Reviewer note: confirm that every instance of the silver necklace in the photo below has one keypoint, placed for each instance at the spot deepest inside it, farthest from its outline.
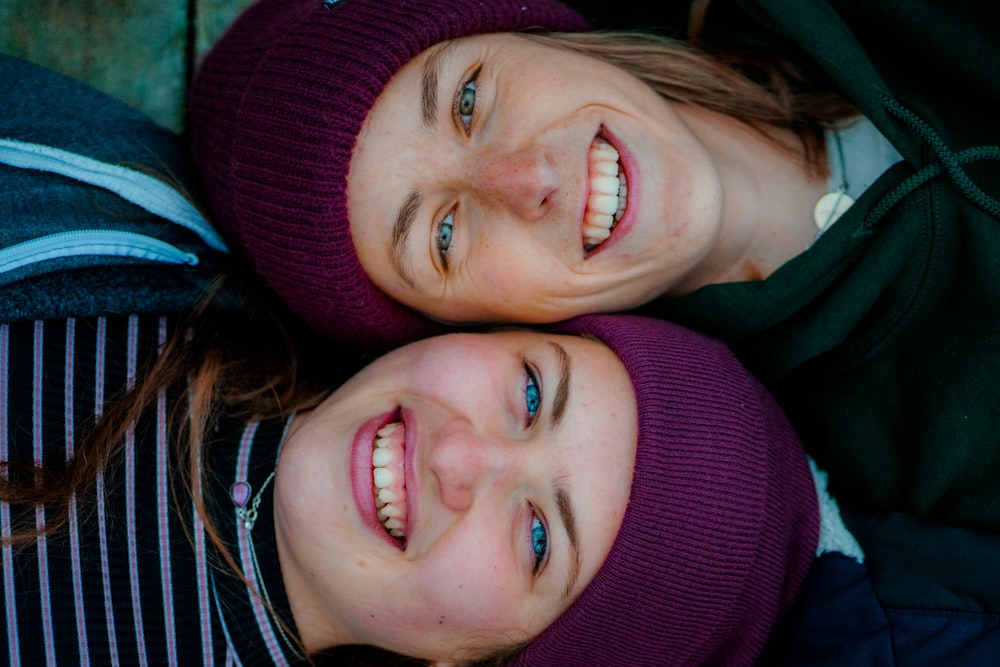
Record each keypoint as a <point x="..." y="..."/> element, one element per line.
<point x="246" y="510"/>
<point x="246" y="513"/>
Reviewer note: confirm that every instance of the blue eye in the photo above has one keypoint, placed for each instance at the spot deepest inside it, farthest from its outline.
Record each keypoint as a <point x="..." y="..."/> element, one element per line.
<point x="532" y="395"/>
<point x="443" y="235"/>
<point x="539" y="542"/>
<point x="465" y="101"/>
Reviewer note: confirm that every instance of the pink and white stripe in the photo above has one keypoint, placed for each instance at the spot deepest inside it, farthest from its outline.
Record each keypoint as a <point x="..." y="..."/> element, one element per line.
<point x="247" y="558"/>
<point x="44" y="587"/>
<point x="10" y="604"/>
<point x="102" y="528"/>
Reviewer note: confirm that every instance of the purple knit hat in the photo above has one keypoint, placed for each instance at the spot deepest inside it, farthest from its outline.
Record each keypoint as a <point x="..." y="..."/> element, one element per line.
<point x="722" y="522"/>
<point x="275" y="110"/>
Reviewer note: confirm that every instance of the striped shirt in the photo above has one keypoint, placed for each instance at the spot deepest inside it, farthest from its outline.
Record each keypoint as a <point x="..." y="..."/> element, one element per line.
<point x="132" y="578"/>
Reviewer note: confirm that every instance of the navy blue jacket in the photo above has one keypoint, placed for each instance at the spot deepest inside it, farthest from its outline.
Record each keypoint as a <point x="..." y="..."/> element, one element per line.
<point x="928" y="595"/>
<point x="94" y="213"/>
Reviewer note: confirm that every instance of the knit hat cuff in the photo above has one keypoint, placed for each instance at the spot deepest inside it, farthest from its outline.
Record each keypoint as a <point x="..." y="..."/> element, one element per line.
<point x="276" y="109"/>
<point x="722" y="521"/>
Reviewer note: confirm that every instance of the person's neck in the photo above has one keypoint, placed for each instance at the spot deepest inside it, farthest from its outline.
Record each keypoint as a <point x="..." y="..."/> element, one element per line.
<point x="769" y="193"/>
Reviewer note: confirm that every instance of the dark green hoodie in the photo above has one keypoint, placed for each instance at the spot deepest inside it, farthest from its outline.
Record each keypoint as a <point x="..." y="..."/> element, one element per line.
<point x="882" y="340"/>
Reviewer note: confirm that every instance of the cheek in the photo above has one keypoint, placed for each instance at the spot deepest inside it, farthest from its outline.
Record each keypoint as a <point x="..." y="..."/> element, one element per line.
<point x="513" y="268"/>
<point x="313" y="519"/>
<point x="473" y="588"/>
<point x="433" y="373"/>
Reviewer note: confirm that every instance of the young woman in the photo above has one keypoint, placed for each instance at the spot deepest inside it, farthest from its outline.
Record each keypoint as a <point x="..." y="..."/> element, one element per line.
<point x="170" y="495"/>
<point x="826" y="207"/>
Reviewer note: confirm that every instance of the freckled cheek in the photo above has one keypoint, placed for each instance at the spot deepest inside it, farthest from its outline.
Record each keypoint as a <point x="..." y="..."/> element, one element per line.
<point x="435" y="377"/>
<point x="514" y="270"/>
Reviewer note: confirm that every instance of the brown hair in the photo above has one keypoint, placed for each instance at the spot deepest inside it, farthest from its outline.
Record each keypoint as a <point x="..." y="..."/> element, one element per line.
<point x="221" y="364"/>
<point x="763" y="91"/>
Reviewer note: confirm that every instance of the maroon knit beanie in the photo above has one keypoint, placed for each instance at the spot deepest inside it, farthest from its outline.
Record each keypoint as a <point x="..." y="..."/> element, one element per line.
<point x="722" y="522"/>
<point x="275" y="110"/>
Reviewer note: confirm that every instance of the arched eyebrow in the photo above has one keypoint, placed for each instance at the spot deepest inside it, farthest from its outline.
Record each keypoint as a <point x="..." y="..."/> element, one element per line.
<point x="561" y="489"/>
<point x="430" y="79"/>
<point x="399" y="255"/>
<point x="430" y="82"/>
<point x="561" y="397"/>
<point x="569" y="523"/>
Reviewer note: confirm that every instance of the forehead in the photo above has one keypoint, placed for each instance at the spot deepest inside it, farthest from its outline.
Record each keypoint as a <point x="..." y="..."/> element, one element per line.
<point x="401" y="93"/>
<point x="599" y="447"/>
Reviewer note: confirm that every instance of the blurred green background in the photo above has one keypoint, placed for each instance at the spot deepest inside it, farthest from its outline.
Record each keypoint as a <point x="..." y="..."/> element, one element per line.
<point x="141" y="51"/>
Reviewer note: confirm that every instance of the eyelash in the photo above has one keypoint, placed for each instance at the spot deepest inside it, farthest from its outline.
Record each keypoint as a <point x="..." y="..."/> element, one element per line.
<point x="467" y="85"/>
<point x="442" y="246"/>
<point x="532" y="399"/>
<point x="543" y="540"/>
<point x="447" y="224"/>
<point x="539" y="531"/>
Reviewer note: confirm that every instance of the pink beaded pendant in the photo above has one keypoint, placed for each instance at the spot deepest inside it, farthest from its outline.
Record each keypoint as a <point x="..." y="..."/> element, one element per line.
<point x="240" y="493"/>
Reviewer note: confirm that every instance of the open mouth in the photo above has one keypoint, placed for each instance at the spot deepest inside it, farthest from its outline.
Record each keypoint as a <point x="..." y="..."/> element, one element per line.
<point x="389" y="480"/>
<point x="608" y="194"/>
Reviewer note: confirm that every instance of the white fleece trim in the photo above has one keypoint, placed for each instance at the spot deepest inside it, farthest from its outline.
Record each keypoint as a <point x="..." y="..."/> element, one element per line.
<point x="834" y="537"/>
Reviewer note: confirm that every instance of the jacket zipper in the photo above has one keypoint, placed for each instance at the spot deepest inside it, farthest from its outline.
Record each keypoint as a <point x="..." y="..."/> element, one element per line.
<point x="109" y="243"/>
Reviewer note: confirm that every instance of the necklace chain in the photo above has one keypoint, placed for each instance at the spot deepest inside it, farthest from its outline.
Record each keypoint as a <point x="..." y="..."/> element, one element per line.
<point x="240" y="490"/>
<point x="246" y="513"/>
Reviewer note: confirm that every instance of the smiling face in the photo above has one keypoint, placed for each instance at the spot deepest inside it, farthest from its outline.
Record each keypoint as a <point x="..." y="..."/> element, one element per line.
<point x="501" y="179"/>
<point x="457" y="494"/>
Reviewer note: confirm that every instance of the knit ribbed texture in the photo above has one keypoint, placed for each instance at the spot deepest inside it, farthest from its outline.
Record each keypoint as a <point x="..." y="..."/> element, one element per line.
<point x="722" y="522"/>
<point x="275" y="110"/>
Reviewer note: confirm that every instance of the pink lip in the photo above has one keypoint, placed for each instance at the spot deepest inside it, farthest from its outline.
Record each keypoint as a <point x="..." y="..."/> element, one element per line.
<point x="632" y="177"/>
<point x="361" y="471"/>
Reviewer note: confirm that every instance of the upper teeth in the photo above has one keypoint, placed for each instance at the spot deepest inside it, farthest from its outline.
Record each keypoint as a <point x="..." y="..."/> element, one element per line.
<point x="389" y="487"/>
<point x="608" y="193"/>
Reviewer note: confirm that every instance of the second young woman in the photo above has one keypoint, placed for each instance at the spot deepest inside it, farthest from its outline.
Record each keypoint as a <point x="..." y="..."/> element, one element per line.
<point x="467" y="497"/>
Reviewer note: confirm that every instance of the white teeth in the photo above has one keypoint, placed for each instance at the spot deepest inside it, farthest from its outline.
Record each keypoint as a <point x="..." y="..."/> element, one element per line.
<point x="596" y="235"/>
<point x="388" y="430"/>
<point x="606" y="204"/>
<point x="382" y="456"/>
<point x="390" y="496"/>
<point x="384" y="477"/>
<point x="390" y="512"/>
<point x="608" y="193"/>
<point x="603" y="150"/>
<point x="603" y="167"/>
<point x="605" y="185"/>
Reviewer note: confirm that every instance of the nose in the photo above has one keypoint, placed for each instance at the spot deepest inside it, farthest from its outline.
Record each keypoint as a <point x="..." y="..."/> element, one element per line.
<point x="465" y="461"/>
<point x="521" y="179"/>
